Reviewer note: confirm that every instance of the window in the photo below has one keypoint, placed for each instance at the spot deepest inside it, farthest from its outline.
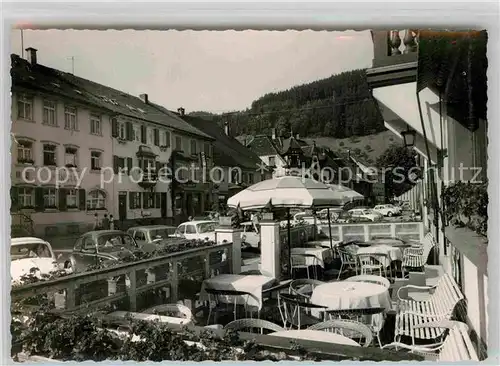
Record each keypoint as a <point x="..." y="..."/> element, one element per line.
<point x="148" y="165"/>
<point x="95" y="125"/>
<point x="178" y="143"/>
<point x="190" y="229"/>
<point x="139" y="236"/>
<point x="272" y="161"/>
<point x="137" y="133"/>
<point x="49" y="198"/>
<point x="122" y="165"/>
<point x="122" y="133"/>
<point x="250" y="178"/>
<point x="151" y="137"/>
<point x="71" y="198"/>
<point x="193" y="147"/>
<point x="26" y="197"/>
<point x="70" y="122"/>
<point x="135" y="200"/>
<point x="95" y="160"/>
<point x="96" y="199"/>
<point x="165" y="140"/>
<point x="49" y="113"/>
<point x="25" y="152"/>
<point x="206" y="149"/>
<point x="70" y="156"/>
<point x="25" y="107"/>
<point x="49" y="154"/>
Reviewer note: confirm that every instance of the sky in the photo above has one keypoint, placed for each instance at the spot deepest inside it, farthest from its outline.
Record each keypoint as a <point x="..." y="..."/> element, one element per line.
<point x="214" y="71"/>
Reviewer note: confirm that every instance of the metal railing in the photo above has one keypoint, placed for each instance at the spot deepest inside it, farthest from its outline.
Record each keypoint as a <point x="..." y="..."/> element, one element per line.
<point x="366" y="231"/>
<point x="133" y="286"/>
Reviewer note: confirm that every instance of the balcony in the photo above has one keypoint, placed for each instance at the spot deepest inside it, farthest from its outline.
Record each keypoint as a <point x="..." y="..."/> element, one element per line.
<point x="395" y="58"/>
<point x="148" y="179"/>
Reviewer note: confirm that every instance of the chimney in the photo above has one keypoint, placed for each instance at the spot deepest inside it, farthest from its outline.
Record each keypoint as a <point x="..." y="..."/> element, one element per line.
<point x="181" y="111"/>
<point x="144" y="98"/>
<point x="273" y="131"/>
<point x="31" y="55"/>
<point x="226" y="127"/>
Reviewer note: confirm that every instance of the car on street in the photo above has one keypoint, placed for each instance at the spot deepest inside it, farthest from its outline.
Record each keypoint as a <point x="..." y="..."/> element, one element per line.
<point x="27" y="253"/>
<point x="365" y="213"/>
<point x="196" y="230"/>
<point x="100" y="247"/>
<point x="388" y="210"/>
<point x="157" y="234"/>
<point x="335" y="213"/>
<point x="249" y="237"/>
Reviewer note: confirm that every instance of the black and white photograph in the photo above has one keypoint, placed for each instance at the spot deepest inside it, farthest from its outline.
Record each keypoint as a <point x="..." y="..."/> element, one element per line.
<point x="249" y="195"/>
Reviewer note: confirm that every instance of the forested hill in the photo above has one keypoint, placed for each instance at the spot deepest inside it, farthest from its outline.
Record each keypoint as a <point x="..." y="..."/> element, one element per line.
<point x="339" y="106"/>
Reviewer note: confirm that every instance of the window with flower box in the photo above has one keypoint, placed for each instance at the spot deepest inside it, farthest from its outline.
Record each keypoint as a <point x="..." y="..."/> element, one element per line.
<point x="49" y="198"/>
<point x="25" y="152"/>
<point x="25" y="107"/>
<point x="49" y="113"/>
<point x="70" y="120"/>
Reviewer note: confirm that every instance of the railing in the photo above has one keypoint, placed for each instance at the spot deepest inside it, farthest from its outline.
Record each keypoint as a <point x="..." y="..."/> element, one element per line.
<point x="394" y="47"/>
<point x="21" y="225"/>
<point x="403" y="230"/>
<point x="298" y="235"/>
<point x="134" y="286"/>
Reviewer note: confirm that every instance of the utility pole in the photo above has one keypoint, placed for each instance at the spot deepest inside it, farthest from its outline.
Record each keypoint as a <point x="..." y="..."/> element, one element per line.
<point x="22" y="44"/>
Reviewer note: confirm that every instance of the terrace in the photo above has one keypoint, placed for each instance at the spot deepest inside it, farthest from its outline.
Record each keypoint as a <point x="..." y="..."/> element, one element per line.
<point x="211" y="286"/>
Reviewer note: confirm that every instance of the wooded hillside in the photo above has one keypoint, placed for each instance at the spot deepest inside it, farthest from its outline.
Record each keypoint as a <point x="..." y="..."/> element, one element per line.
<point x="339" y="106"/>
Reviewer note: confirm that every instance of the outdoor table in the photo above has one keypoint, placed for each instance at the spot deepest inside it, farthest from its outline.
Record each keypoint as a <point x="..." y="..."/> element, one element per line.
<point x="251" y="284"/>
<point x="323" y="243"/>
<point x="351" y="295"/>
<point x="388" y="241"/>
<point x="393" y="253"/>
<point x="316" y="335"/>
<point x="323" y="255"/>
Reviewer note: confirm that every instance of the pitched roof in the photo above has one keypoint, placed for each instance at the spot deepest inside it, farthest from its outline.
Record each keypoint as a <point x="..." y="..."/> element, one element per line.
<point x="263" y="145"/>
<point x="293" y="144"/>
<point x="46" y="79"/>
<point x="227" y="150"/>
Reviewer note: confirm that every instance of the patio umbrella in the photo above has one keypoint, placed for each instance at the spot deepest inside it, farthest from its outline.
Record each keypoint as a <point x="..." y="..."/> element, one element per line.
<point x="286" y="192"/>
<point x="346" y="194"/>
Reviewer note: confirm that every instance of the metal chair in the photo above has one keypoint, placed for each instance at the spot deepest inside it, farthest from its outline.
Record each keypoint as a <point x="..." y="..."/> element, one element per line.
<point x="379" y="280"/>
<point x="222" y="303"/>
<point x="348" y="261"/>
<point x="299" y="261"/>
<point x="297" y="312"/>
<point x="249" y="324"/>
<point x="370" y="263"/>
<point x="347" y="328"/>
<point x="304" y="287"/>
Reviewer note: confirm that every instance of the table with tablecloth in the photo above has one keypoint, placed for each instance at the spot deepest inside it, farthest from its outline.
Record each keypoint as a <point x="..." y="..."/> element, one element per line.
<point x="316" y="335"/>
<point x="251" y="284"/>
<point x="321" y="255"/>
<point x="393" y="253"/>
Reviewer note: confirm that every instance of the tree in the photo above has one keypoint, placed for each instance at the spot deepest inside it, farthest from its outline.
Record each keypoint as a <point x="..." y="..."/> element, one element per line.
<point x="399" y="168"/>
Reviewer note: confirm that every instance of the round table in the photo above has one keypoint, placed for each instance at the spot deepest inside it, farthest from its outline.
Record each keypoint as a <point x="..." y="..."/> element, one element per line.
<point x="316" y="335"/>
<point x="351" y="295"/>
<point x="393" y="253"/>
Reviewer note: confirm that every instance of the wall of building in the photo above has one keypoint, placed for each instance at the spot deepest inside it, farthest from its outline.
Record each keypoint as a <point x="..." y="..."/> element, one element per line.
<point x="278" y="162"/>
<point x="38" y="133"/>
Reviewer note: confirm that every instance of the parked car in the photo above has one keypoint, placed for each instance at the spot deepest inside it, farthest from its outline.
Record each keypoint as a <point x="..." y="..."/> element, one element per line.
<point x="388" y="210"/>
<point x="365" y="213"/>
<point x="196" y="230"/>
<point x="153" y="234"/>
<point x="335" y="213"/>
<point x="249" y="237"/>
<point x="103" y="246"/>
<point x="27" y="253"/>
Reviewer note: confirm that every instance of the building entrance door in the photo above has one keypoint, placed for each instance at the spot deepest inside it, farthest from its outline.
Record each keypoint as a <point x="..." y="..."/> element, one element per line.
<point x="163" y="204"/>
<point x="122" y="206"/>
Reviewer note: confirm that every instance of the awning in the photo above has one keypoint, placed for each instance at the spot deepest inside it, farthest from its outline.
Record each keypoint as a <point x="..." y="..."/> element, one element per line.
<point x="145" y="151"/>
<point x="454" y="64"/>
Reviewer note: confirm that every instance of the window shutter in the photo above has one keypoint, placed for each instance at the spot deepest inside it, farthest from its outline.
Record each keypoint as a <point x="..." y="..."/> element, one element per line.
<point x="143" y="134"/>
<point x="114" y="127"/>
<point x="158" y="167"/>
<point x="156" y="137"/>
<point x="158" y="199"/>
<point x="115" y="164"/>
<point x="129" y="165"/>
<point x="131" y="200"/>
<point x="145" y="204"/>
<point x="14" y="198"/>
<point x="62" y="199"/>
<point x="82" y="199"/>
<point x="39" y="203"/>
<point x="129" y="132"/>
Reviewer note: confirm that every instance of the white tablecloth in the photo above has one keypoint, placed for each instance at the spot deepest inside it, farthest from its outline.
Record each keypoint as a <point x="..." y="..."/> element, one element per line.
<point x="393" y="253"/>
<point x="322" y="255"/>
<point x="351" y="295"/>
<point x="252" y="284"/>
<point x="316" y="335"/>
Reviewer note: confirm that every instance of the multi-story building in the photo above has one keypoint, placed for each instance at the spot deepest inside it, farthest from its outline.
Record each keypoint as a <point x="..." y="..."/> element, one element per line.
<point x="431" y="88"/>
<point x="60" y="142"/>
<point x="117" y="148"/>
<point x="269" y="151"/>
<point x="235" y="167"/>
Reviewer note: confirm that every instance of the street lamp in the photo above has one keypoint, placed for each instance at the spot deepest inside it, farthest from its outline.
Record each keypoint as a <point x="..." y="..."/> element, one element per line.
<point x="409" y="137"/>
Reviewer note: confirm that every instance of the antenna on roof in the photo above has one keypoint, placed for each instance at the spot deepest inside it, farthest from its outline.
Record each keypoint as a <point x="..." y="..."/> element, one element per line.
<point x="22" y="44"/>
<point x="72" y="58"/>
